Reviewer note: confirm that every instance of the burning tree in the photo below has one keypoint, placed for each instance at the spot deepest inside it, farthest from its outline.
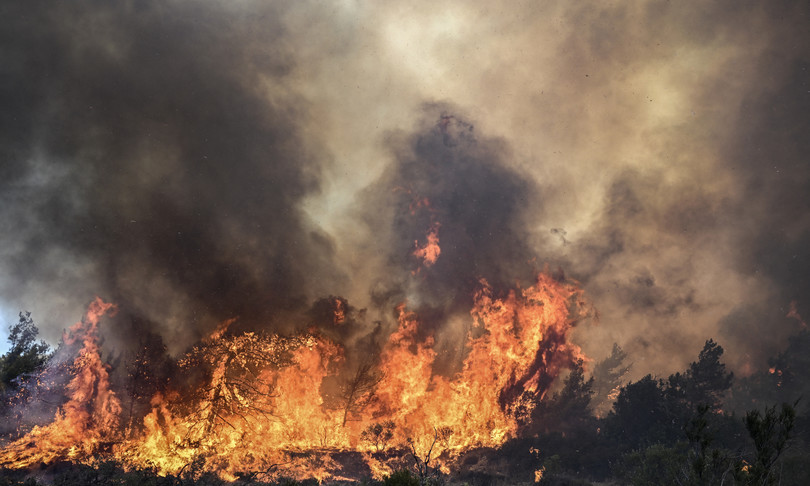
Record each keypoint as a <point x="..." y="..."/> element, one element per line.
<point x="379" y="434"/>
<point x="148" y="372"/>
<point x="238" y="380"/>
<point x="252" y="402"/>
<point x="607" y="375"/>
<point x="423" y="452"/>
<point x="90" y="416"/>
<point x="358" y="391"/>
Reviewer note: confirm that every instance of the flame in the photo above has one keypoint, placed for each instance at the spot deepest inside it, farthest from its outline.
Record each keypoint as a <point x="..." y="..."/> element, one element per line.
<point x="538" y="474"/>
<point x="430" y="252"/>
<point x="261" y="406"/>
<point x="89" y="417"/>
<point x="794" y="314"/>
<point x="339" y="311"/>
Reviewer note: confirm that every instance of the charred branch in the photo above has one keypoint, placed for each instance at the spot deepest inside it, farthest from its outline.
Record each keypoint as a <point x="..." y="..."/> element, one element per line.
<point x="359" y="391"/>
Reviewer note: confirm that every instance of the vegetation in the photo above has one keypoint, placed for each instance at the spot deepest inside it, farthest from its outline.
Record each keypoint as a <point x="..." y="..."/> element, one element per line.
<point x="379" y="434"/>
<point x="19" y="367"/>
<point x="677" y="430"/>
<point x="692" y="428"/>
<point x="26" y="355"/>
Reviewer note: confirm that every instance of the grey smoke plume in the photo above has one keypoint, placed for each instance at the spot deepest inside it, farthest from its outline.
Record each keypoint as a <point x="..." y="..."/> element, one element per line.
<point x="200" y="161"/>
<point x="449" y="180"/>
<point x="152" y="154"/>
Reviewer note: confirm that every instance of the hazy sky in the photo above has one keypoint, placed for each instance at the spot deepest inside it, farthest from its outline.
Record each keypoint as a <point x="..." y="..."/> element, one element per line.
<point x="195" y="161"/>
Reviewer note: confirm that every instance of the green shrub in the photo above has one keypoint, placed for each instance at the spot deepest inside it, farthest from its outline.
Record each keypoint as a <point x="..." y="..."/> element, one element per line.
<point x="403" y="477"/>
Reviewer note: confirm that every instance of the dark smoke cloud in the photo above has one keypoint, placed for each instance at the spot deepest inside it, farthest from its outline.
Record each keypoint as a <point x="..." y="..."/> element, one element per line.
<point x="772" y="156"/>
<point x="447" y="176"/>
<point x="198" y="161"/>
<point x="698" y="131"/>
<point x="151" y="153"/>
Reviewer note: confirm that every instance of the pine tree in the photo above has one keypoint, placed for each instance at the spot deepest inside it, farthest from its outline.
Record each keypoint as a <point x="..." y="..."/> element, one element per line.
<point x="26" y="355"/>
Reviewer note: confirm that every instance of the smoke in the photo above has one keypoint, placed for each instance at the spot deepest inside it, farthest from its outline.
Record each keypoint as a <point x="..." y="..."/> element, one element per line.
<point x="197" y="162"/>
<point x="152" y="154"/>
<point x="449" y="180"/>
<point x="702" y="205"/>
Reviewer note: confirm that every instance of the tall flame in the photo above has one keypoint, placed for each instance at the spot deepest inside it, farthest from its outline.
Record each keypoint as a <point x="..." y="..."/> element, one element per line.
<point x="262" y="406"/>
<point x="89" y="417"/>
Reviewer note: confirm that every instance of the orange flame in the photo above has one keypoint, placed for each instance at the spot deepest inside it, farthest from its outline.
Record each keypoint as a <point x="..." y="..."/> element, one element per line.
<point x="794" y="313"/>
<point x="89" y="417"/>
<point x="262" y="405"/>
<point x="430" y="252"/>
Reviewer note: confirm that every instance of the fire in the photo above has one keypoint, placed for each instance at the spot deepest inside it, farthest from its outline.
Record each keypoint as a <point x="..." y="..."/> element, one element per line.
<point x="430" y="252"/>
<point x="794" y="313"/>
<point x="257" y="402"/>
<point x="89" y="417"/>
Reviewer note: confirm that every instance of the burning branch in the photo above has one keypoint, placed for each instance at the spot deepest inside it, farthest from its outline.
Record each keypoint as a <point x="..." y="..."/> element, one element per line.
<point x="379" y="434"/>
<point x="239" y="385"/>
<point x="359" y="391"/>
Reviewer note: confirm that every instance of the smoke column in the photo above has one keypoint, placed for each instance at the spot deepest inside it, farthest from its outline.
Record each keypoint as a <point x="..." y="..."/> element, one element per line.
<point x="195" y="162"/>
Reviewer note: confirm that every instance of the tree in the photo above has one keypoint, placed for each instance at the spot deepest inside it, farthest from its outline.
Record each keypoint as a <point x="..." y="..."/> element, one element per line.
<point x="607" y="378"/>
<point x="147" y="373"/>
<point x="770" y="432"/>
<point x="379" y="434"/>
<point x="358" y="391"/>
<point x="641" y="415"/>
<point x="567" y="408"/>
<point x="706" y="464"/>
<point x="232" y="385"/>
<point x="26" y="355"/>
<point x="428" y="474"/>
<point x="650" y="410"/>
<point x="707" y="380"/>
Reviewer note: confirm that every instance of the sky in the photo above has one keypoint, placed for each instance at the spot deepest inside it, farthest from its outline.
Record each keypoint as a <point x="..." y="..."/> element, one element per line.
<point x="197" y="161"/>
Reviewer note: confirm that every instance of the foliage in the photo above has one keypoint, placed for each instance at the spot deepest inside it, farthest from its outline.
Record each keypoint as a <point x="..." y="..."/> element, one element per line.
<point x="21" y="370"/>
<point x="785" y="379"/>
<point x="359" y="390"/>
<point x="652" y="411"/>
<point x="148" y="372"/>
<point x="25" y="357"/>
<point x="607" y="379"/>
<point x="656" y="464"/>
<point x="566" y="409"/>
<point x="402" y="477"/>
<point x="706" y="381"/>
<point x="770" y="432"/>
<point x="642" y="415"/>
<point x="706" y="464"/>
<point x="378" y="434"/>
